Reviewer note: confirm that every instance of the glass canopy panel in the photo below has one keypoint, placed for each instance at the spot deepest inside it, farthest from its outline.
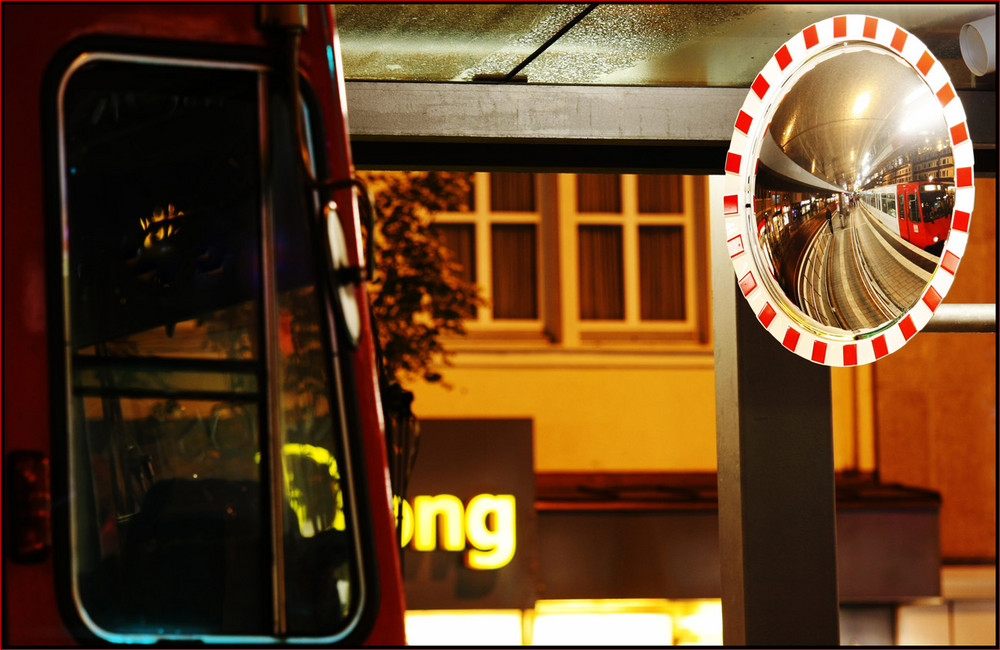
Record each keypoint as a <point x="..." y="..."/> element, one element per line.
<point x="443" y="42"/>
<point x="668" y="44"/>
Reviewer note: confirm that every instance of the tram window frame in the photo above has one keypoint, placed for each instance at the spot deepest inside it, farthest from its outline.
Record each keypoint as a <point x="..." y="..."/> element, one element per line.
<point x="345" y="447"/>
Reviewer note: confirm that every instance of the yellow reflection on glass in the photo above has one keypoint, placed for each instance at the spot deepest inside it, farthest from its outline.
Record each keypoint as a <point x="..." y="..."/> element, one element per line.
<point x="308" y="504"/>
<point x="464" y="627"/>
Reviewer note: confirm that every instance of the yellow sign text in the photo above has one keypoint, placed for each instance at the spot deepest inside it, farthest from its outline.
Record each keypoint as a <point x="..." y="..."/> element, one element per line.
<point x="487" y="523"/>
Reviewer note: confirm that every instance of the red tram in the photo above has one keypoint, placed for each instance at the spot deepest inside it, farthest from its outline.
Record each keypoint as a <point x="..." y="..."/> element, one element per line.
<point x="920" y="213"/>
<point x="192" y="433"/>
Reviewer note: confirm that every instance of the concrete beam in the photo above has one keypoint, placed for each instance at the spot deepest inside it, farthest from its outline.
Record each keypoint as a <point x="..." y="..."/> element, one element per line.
<point x="537" y="113"/>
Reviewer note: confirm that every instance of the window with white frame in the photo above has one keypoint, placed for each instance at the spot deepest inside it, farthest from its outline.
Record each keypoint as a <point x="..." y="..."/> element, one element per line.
<point x="635" y="252"/>
<point x="496" y="242"/>
<point x="622" y="255"/>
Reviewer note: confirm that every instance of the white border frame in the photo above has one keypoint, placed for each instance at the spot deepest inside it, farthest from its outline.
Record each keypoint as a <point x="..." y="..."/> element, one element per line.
<point x="767" y="89"/>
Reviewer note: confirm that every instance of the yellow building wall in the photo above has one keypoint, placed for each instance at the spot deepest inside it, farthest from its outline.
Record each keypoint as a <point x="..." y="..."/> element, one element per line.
<point x="594" y="415"/>
<point x="852" y="403"/>
<point x="622" y="407"/>
<point x="591" y="417"/>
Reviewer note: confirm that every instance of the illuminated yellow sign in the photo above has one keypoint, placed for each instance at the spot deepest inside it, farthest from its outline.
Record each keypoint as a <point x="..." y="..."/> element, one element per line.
<point x="487" y="523"/>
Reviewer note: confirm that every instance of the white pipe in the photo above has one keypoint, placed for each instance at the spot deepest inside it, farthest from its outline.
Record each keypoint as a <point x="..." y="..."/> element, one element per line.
<point x="979" y="45"/>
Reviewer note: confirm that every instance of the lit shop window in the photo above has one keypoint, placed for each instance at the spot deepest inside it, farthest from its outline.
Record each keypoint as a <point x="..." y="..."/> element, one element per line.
<point x="605" y="623"/>
<point x="464" y="627"/>
<point x="628" y="622"/>
<point x="602" y="622"/>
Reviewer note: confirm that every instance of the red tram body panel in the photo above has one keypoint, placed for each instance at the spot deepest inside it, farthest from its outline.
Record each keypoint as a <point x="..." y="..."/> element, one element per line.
<point x="924" y="213"/>
<point x="162" y="287"/>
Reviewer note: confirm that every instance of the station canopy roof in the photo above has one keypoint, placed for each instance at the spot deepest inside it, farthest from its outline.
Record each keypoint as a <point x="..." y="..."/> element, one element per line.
<point x="662" y="44"/>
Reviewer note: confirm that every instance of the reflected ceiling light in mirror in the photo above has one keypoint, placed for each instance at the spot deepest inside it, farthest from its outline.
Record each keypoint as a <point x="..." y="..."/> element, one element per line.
<point x="861" y="103"/>
<point x="849" y="189"/>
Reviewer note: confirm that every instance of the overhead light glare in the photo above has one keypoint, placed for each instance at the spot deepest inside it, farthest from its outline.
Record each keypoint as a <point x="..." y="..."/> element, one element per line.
<point x="861" y="103"/>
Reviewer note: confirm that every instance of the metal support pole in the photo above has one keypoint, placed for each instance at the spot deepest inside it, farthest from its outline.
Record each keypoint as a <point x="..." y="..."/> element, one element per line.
<point x="777" y="514"/>
<point x="963" y="318"/>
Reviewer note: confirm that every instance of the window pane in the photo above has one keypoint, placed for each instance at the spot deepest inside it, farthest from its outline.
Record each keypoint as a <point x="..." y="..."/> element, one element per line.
<point x="510" y="192"/>
<point x="661" y="272"/>
<point x="601" y="276"/>
<point x="168" y="449"/>
<point x="661" y="194"/>
<point x="515" y="276"/>
<point x="173" y="534"/>
<point x="598" y="193"/>
<point x="320" y="581"/>
<point x="320" y="588"/>
<point x="160" y="234"/>
<point x="163" y="242"/>
<point x="460" y="240"/>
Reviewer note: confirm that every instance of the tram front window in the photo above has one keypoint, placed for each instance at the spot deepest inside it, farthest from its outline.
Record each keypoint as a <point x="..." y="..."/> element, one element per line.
<point x="936" y="202"/>
<point x="171" y="459"/>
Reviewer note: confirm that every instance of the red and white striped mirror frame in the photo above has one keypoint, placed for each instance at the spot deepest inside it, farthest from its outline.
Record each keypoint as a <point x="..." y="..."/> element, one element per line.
<point x="810" y="343"/>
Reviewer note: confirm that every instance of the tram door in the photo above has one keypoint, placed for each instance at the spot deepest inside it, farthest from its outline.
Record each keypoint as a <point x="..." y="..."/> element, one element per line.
<point x="905" y="209"/>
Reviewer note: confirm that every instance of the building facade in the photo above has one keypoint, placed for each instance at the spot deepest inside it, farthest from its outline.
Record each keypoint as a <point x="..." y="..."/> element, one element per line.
<point x="609" y="356"/>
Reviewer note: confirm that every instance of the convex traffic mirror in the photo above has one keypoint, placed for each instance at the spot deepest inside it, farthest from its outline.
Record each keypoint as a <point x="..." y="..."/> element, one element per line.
<point x="849" y="190"/>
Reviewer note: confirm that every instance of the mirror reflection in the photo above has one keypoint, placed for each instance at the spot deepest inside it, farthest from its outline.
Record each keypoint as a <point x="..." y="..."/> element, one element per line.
<point x="854" y="189"/>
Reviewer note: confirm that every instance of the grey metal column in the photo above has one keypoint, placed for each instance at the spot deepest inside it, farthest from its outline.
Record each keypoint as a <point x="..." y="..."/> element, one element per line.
<point x="777" y="511"/>
<point x="949" y="317"/>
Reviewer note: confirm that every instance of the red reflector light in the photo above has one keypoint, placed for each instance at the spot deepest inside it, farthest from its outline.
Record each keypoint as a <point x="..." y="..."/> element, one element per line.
<point x="30" y="506"/>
